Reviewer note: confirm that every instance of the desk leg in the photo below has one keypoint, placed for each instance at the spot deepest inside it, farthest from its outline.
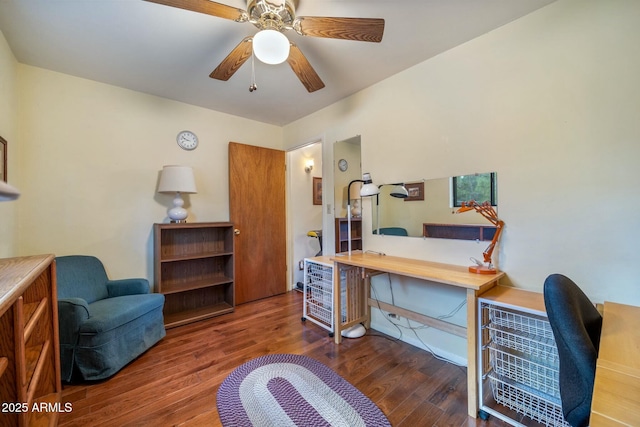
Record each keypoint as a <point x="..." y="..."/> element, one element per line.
<point x="367" y="307"/>
<point x="472" y="353"/>
<point x="337" y="318"/>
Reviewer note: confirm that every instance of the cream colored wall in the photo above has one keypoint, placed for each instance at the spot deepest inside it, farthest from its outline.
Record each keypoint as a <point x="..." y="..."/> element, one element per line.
<point x="9" y="131"/>
<point x="350" y="151"/>
<point x="551" y="103"/>
<point x="93" y="154"/>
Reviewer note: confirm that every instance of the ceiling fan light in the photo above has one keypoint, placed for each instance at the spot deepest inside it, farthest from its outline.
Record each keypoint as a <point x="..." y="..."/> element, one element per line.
<point x="271" y="46"/>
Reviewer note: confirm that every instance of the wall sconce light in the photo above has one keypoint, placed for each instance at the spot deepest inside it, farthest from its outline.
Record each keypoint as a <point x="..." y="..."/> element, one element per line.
<point x="177" y="179"/>
<point x="308" y="165"/>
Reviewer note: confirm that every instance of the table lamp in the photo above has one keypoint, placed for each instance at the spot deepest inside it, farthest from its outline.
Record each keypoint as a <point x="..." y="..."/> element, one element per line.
<point x="177" y="179"/>
<point x="486" y="210"/>
<point x="367" y="189"/>
<point x="8" y="192"/>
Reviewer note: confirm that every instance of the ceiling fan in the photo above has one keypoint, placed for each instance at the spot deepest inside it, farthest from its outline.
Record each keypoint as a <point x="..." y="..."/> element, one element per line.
<point x="272" y="18"/>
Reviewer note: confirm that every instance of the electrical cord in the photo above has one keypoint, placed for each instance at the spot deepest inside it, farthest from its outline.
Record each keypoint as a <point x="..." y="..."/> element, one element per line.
<point x="414" y="329"/>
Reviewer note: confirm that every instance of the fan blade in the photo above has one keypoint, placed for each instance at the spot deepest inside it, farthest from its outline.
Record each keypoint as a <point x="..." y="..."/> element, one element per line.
<point x="207" y="7"/>
<point x="234" y="60"/>
<point x="360" y="29"/>
<point x="303" y="69"/>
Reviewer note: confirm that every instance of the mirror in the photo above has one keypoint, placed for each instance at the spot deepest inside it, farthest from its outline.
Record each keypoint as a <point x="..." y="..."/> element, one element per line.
<point x="429" y="211"/>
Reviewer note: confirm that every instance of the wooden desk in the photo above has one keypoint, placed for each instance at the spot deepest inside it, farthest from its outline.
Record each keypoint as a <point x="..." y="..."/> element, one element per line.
<point x="29" y="342"/>
<point x="616" y="392"/>
<point x="359" y="304"/>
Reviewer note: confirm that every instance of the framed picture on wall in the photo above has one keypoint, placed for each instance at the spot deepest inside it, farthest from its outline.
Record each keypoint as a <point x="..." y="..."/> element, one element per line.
<point x="317" y="191"/>
<point x="3" y="159"/>
<point x="415" y="190"/>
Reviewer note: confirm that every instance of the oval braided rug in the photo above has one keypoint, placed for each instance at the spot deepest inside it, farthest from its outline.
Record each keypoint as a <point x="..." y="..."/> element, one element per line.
<point x="292" y="390"/>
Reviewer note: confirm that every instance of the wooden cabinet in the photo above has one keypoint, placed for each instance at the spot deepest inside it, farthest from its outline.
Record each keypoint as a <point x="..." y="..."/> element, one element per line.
<point x="30" y="386"/>
<point x="194" y="269"/>
<point x="342" y="235"/>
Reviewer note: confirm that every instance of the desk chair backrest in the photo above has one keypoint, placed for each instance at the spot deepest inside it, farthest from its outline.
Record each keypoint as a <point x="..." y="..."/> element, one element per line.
<point x="576" y="326"/>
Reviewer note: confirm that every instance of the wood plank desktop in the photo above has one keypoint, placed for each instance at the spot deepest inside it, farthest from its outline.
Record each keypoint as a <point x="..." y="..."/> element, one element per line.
<point x="448" y="274"/>
<point x="616" y="393"/>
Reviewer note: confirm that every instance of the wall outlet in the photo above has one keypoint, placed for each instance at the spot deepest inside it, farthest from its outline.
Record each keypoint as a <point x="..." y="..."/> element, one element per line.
<point x="301" y="265"/>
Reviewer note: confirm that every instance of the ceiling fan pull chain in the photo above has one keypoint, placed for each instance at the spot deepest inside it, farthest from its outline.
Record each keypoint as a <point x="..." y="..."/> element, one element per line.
<point x="253" y="86"/>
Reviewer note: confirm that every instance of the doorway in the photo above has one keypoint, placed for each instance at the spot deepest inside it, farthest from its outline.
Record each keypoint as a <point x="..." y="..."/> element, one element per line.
<point x="304" y="216"/>
<point x="304" y="171"/>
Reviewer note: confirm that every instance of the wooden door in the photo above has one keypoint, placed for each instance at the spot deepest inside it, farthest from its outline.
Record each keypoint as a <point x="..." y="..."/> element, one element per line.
<point x="257" y="210"/>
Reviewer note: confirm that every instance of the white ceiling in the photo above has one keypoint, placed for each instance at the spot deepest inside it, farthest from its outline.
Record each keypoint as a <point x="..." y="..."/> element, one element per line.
<point x="170" y="52"/>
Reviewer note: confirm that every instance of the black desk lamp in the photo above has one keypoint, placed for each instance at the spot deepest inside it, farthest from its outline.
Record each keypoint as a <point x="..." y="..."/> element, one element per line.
<point x="398" y="191"/>
<point x="368" y="189"/>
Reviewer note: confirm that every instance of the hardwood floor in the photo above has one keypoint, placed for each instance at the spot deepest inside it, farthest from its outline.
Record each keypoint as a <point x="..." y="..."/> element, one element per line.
<point x="176" y="381"/>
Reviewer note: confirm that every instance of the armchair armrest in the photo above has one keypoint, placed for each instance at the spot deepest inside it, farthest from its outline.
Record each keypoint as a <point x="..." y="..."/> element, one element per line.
<point x="118" y="288"/>
<point x="72" y="312"/>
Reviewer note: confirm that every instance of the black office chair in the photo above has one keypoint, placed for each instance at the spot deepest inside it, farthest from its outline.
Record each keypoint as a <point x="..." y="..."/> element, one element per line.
<point x="576" y="326"/>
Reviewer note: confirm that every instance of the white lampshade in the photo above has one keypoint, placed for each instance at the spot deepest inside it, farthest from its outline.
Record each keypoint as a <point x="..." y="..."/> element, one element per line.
<point x="271" y="47"/>
<point x="399" y="191"/>
<point x="8" y="192"/>
<point x="369" y="188"/>
<point x="177" y="179"/>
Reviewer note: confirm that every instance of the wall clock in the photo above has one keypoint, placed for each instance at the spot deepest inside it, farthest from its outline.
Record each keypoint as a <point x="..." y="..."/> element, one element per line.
<point x="343" y="165"/>
<point x="187" y="140"/>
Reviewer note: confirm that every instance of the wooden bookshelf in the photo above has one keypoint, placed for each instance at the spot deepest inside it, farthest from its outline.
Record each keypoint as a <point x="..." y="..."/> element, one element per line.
<point x="194" y="269"/>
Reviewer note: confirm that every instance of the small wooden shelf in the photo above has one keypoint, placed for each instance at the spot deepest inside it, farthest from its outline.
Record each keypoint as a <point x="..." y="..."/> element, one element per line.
<point x="342" y="234"/>
<point x="199" y="284"/>
<point x="194" y="269"/>
<point x="187" y="316"/>
<point x="191" y="257"/>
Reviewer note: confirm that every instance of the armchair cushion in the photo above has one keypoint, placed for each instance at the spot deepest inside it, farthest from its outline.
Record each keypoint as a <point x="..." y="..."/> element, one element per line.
<point x="110" y="313"/>
<point x="104" y="324"/>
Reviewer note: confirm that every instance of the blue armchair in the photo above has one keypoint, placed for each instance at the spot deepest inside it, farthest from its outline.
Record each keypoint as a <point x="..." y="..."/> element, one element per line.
<point x="104" y="324"/>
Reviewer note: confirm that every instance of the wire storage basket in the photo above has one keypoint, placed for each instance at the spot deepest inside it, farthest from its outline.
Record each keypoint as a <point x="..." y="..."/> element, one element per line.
<point x="537" y="376"/>
<point x="523" y="365"/>
<point x="318" y="294"/>
<point x="527" y="401"/>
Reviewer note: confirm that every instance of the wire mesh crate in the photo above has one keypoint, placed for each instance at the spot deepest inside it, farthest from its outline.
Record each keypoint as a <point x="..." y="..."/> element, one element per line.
<point x="527" y="324"/>
<point x="539" y="348"/>
<point x="519" y="361"/>
<point x="318" y="293"/>
<point x="525" y="371"/>
<point x="527" y="401"/>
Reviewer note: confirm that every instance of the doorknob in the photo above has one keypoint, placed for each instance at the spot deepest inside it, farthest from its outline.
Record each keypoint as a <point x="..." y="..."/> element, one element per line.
<point x="236" y="231"/>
